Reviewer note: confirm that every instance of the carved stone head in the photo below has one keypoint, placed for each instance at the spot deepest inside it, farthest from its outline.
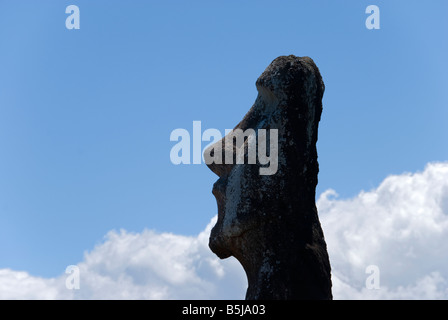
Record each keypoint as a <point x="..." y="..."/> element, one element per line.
<point x="267" y="168"/>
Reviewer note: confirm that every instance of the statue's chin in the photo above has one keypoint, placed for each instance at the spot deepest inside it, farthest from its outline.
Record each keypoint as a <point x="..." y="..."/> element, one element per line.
<point x="216" y="244"/>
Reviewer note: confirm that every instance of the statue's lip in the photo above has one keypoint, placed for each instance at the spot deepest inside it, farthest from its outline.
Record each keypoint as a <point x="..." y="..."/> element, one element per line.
<point x="219" y="191"/>
<point x="219" y="187"/>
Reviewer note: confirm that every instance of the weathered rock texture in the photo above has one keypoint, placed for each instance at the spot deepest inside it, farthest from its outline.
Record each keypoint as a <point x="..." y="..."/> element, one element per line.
<point x="270" y="222"/>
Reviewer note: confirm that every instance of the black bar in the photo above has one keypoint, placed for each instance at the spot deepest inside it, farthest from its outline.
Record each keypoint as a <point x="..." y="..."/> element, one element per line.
<point x="224" y="309"/>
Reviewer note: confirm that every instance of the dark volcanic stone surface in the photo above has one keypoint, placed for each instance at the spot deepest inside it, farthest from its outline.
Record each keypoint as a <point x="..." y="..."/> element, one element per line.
<point x="270" y="222"/>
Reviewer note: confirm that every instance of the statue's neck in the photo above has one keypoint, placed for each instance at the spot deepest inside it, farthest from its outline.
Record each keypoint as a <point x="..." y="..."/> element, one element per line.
<point x="289" y="273"/>
<point x="270" y="280"/>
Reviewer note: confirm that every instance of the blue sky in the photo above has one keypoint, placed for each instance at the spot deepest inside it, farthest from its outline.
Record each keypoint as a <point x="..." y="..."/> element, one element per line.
<point x="86" y="115"/>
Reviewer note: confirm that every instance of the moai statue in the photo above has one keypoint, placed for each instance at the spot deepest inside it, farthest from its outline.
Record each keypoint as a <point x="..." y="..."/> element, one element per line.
<point x="267" y="215"/>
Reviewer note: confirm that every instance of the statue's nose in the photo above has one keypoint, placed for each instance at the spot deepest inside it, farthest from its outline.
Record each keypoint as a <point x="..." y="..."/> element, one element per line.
<point x="215" y="158"/>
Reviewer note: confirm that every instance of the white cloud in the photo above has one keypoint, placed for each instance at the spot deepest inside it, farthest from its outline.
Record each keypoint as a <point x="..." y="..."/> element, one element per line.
<point x="20" y="285"/>
<point x="146" y="265"/>
<point x="401" y="227"/>
<point x="152" y="265"/>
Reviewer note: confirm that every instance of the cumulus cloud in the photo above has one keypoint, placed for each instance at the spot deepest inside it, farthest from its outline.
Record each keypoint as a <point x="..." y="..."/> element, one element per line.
<point x="401" y="227"/>
<point x="152" y="265"/>
<point x="146" y="265"/>
<point x="20" y="285"/>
